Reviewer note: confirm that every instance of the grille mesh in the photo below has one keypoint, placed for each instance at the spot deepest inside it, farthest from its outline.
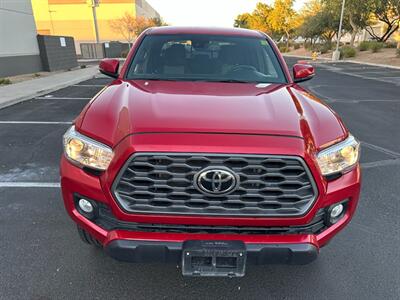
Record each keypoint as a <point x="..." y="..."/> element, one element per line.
<point x="162" y="183"/>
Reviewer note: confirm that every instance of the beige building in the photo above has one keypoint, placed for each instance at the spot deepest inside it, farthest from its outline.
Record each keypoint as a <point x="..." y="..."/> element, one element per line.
<point x="76" y="17"/>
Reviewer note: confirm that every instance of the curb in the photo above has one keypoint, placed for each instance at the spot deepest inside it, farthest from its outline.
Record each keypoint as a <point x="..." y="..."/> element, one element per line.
<point x="372" y="64"/>
<point x="8" y="102"/>
<point x="305" y="57"/>
<point x="346" y="61"/>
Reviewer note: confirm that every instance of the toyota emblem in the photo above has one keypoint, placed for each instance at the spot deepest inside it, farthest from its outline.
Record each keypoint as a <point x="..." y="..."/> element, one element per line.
<point x="216" y="181"/>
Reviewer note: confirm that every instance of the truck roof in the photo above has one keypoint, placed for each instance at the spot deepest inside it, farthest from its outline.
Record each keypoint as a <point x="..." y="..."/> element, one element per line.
<point x="205" y="30"/>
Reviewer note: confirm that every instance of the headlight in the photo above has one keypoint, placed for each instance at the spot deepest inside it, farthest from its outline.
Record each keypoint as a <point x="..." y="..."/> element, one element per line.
<point x="339" y="157"/>
<point x="85" y="151"/>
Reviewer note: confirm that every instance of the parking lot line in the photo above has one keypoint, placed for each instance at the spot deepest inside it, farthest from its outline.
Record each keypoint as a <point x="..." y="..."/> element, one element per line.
<point x="341" y="71"/>
<point x="35" y="122"/>
<point x="88" y="85"/>
<point x="29" y="184"/>
<point x="380" y="163"/>
<point x="62" y="98"/>
<point x="381" y="149"/>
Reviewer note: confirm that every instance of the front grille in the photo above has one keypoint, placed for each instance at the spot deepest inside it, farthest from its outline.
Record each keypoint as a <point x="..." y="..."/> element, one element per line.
<point x="107" y="221"/>
<point x="162" y="183"/>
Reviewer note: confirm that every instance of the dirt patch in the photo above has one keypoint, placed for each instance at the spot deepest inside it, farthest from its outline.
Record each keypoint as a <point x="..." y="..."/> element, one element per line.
<point x="385" y="56"/>
<point x="25" y="77"/>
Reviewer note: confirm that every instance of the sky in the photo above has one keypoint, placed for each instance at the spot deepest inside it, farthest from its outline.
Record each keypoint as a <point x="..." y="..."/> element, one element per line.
<point x="221" y="13"/>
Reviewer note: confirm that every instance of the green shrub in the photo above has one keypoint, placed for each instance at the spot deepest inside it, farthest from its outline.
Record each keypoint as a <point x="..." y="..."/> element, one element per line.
<point x="283" y="48"/>
<point x="326" y="48"/>
<point x="307" y="45"/>
<point x="347" y="51"/>
<point x="5" y="81"/>
<point x="390" y="45"/>
<point x="375" y="46"/>
<point x="322" y="48"/>
<point x="124" y="53"/>
<point x="364" y="46"/>
<point x="296" y="46"/>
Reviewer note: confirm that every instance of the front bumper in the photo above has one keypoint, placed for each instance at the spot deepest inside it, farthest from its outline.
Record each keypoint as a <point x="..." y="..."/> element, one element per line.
<point x="119" y="242"/>
<point x="171" y="252"/>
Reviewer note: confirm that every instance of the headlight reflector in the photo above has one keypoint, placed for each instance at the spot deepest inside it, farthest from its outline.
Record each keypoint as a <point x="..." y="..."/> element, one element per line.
<point x="340" y="157"/>
<point x="85" y="151"/>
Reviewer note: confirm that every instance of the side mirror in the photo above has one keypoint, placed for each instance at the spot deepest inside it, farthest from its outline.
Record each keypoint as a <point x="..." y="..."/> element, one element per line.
<point x="109" y="67"/>
<point x="303" y="72"/>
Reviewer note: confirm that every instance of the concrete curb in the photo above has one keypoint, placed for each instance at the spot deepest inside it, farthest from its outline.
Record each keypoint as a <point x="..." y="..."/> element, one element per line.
<point x="22" y="91"/>
<point x="371" y="64"/>
<point x="305" y="57"/>
<point x="346" y="61"/>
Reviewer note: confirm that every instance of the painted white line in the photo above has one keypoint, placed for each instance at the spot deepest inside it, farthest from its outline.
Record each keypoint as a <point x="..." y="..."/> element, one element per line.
<point x="381" y="163"/>
<point x="381" y="149"/>
<point x="30" y="184"/>
<point x="89" y="85"/>
<point x="35" y="122"/>
<point x="62" y="98"/>
<point x="313" y="89"/>
<point x="348" y="101"/>
<point x="340" y="71"/>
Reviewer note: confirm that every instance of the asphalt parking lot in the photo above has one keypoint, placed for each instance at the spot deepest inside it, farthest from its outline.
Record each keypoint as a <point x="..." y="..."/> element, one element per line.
<point x="41" y="256"/>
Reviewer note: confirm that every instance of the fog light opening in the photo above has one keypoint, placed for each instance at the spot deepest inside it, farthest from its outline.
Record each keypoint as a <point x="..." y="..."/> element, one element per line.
<point x="85" y="206"/>
<point x="335" y="213"/>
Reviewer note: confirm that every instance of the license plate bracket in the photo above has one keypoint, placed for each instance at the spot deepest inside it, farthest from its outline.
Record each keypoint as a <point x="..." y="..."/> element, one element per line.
<point x="214" y="258"/>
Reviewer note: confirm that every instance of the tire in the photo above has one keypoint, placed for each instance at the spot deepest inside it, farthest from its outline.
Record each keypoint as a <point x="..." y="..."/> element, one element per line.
<point x="88" y="239"/>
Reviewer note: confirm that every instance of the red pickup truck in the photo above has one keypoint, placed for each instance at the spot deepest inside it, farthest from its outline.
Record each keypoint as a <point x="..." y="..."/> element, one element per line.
<point x="204" y="151"/>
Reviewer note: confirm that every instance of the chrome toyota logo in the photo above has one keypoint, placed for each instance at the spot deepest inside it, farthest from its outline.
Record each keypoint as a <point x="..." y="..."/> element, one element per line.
<point x="216" y="181"/>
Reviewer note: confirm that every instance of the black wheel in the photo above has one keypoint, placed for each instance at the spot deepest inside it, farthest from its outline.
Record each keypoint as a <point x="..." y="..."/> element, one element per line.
<point x="87" y="238"/>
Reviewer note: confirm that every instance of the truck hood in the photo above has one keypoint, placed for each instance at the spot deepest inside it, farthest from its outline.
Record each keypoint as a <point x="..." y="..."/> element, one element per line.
<point x="138" y="107"/>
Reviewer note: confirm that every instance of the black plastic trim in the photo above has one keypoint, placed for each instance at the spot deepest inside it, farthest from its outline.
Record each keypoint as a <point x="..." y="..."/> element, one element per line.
<point x="109" y="74"/>
<point x="171" y="252"/>
<point x="91" y="171"/>
<point x="333" y="176"/>
<point x="299" y="80"/>
<point x="107" y="221"/>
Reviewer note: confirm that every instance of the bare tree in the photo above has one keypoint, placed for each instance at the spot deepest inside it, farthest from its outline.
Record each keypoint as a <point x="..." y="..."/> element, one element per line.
<point x="387" y="12"/>
<point x="130" y="26"/>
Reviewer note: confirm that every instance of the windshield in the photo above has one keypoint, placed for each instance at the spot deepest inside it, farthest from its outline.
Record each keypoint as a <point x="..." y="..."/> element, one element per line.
<point x="206" y="58"/>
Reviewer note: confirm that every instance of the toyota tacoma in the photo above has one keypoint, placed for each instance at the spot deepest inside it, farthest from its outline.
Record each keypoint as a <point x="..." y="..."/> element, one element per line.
<point x="204" y="151"/>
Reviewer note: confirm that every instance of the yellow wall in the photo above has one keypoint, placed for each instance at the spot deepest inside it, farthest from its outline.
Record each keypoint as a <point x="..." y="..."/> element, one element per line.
<point x="74" y="18"/>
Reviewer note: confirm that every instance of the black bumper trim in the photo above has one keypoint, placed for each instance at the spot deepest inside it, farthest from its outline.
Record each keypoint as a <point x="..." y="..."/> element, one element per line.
<point x="171" y="252"/>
